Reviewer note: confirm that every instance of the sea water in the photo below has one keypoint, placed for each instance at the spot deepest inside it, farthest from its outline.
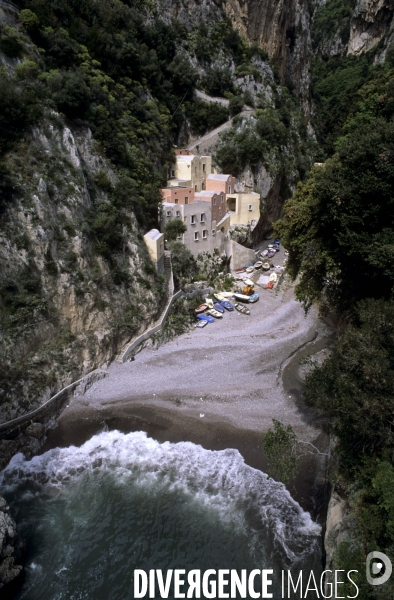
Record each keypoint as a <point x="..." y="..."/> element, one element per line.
<point x="91" y="515"/>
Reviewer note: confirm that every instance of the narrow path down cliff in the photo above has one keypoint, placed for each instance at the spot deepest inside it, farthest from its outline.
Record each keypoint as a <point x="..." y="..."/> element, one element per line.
<point x="210" y="139"/>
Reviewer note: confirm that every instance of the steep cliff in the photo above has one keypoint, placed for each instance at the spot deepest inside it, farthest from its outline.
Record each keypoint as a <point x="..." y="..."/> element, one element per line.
<point x="66" y="308"/>
<point x="281" y="28"/>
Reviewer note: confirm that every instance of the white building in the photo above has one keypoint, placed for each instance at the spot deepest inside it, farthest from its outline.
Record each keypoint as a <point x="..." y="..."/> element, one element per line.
<point x="202" y="234"/>
<point x="154" y="241"/>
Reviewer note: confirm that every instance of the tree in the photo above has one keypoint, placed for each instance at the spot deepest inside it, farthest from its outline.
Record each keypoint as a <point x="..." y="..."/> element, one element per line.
<point x="28" y="19"/>
<point x="354" y="387"/>
<point x="184" y="265"/>
<point x="173" y="229"/>
<point x="280" y="447"/>
<point x="236" y="105"/>
<point x="338" y="227"/>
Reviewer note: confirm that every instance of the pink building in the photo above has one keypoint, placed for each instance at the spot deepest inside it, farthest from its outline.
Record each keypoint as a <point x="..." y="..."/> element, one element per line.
<point x="178" y="195"/>
<point x="218" y="203"/>
<point x="220" y="183"/>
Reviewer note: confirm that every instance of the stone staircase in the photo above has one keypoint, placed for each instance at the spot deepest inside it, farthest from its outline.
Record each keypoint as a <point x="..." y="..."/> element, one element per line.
<point x="158" y="323"/>
<point x="168" y="273"/>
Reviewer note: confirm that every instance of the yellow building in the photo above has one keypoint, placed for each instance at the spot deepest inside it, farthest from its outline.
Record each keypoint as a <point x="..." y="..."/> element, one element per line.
<point x="243" y="208"/>
<point x="190" y="170"/>
<point x="154" y="241"/>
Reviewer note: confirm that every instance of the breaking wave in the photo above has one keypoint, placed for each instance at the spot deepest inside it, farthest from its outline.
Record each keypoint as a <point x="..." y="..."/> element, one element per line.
<point x="217" y="481"/>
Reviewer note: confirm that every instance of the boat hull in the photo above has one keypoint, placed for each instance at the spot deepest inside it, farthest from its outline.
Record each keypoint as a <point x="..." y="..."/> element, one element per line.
<point x="214" y="313"/>
<point x="241" y="297"/>
<point x="242" y="309"/>
<point x="205" y="318"/>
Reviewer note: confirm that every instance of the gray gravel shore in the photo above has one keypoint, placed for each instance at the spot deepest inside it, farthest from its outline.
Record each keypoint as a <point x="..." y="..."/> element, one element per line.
<point x="229" y="372"/>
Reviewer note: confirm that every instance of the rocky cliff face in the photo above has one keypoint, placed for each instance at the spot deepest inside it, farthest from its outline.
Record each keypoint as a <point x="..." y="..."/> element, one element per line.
<point x="281" y="28"/>
<point x="8" y="544"/>
<point x="67" y="310"/>
<point x="371" y="22"/>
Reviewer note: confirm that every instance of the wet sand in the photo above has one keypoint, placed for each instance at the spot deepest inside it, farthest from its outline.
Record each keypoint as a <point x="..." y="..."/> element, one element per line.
<point x="219" y="387"/>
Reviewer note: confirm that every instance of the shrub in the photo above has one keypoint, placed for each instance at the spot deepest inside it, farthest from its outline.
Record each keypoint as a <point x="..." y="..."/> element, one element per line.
<point x="28" y="19"/>
<point x="173" y="229"/>
<point x="236" y="105"/>
<point x="11" y="42"/>
<point x="184" y="265"/>
<point x="217" y="81"/>
<point x="204" y="116"/>
<point x="70" y="93"/>
<point x="19" y="108"/>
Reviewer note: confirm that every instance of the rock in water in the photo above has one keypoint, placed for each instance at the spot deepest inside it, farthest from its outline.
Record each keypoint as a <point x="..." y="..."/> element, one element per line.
<point x="8" y="537"/>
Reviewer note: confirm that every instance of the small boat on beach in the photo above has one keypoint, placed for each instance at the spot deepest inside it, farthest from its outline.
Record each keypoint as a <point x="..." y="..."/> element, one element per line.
<point x="254" y="297"/>
<point x="258" y="264"/>
<point x="201" y="324"/>
<point x="204" y="317"/>
<point x="219" y="296"/>
<point x="249" y="269"/>
<point x="227" y="305"/>
<point x="248" y="282"/>
<point x="241" y="297"/>
<point x="266" y="266"/>
<point x="242" y="309"/>
<point x="264" y="253"/>
<point x="271" y="253"/>
<point x="201" y="308"/>
<point x="218" y="306"/>
<point x="214" y="313"/>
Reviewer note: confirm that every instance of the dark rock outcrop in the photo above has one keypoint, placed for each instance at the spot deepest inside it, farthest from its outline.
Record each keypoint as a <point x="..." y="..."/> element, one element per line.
<point x="9" y="570"/>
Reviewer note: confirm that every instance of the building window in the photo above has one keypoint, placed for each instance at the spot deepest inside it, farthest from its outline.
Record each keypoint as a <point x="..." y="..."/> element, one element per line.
<point x="203" y="167"/>
<point x="178" y="214"/>
<point x="222" y="198"/>
<point x="196" y="236"/>
<point x="176" y="200"/>
<point x="161" y="248"/>
<point x="195" y="188"/>
<point x="220" y="212"/>
<point x="173" y="173"/>
<point x="193" y="219"/>
<point x="168" y="213"/>
<point x="214" y="201"/>
<point x="229" y="189"/>
<point x="203" y="218"/>
<point x="213" y="231"/>
<point x="186" y="200"/>
<point x="250" y="207"/>
<point x="204" y="234"/>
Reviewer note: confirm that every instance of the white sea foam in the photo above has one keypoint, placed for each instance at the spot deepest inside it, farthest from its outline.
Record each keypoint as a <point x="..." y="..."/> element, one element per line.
<point x="219" y="480"/>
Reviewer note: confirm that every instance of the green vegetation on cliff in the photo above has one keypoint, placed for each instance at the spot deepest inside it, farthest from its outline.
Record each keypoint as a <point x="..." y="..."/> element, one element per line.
<point x="339" y="230"/>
